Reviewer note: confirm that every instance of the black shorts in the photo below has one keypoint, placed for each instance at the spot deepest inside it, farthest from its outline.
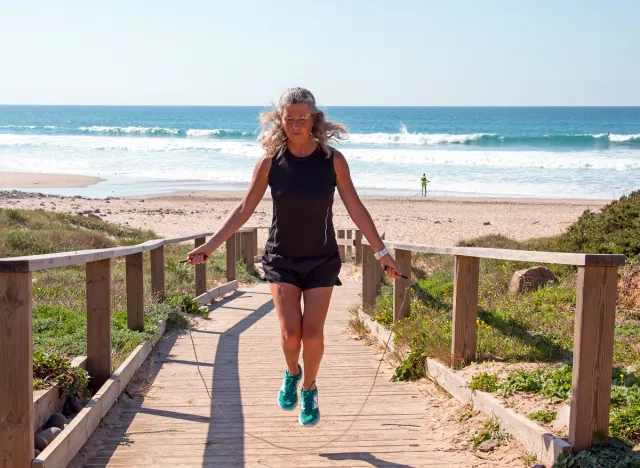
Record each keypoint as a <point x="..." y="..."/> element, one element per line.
<point x="303" y="272"/>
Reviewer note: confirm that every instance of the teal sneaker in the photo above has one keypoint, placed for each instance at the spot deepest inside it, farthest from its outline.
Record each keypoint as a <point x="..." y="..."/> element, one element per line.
<point x="288" y="394"/>
<point x="310" y="413"/>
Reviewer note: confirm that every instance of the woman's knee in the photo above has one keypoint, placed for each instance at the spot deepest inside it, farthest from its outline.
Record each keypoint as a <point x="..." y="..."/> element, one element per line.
<point x="312" y="334"/>
<point x="291" y="335"/>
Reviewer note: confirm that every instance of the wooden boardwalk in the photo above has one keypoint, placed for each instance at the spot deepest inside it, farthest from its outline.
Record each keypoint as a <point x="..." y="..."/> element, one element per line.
<point x="176" y="424"/>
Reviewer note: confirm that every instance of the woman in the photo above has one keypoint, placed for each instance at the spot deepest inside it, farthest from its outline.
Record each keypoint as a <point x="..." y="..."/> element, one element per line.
<point x="301" y="258"/>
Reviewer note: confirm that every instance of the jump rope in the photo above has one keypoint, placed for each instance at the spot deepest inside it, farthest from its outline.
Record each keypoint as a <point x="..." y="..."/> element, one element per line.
<point x="339" y="436"/>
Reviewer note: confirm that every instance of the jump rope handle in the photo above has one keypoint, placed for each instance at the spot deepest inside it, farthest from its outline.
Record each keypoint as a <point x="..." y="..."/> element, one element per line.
<point x="386" y="267"/>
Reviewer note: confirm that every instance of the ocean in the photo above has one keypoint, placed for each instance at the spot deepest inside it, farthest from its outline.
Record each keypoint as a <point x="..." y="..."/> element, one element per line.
<point x="546" y="152"/>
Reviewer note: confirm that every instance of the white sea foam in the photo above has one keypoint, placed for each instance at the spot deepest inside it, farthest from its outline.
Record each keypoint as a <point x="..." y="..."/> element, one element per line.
<point x="622" y="138"/>
<point x="130" y="130"/>
<point x="406" y="138"/>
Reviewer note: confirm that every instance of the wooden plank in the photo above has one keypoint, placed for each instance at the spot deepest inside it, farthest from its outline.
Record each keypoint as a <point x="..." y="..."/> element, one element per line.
<point x="157" y="273"/>
<point x="592" y="354"/>
<point x="358" y="246"/>
<point x="201" y="270"/>
<point x="517" y="255"/>
<point x="349" y="248"/>
<point x="401" y="292"/>
<point x="465" y="310"/>
<point x="368" y="277"/>
<point x="345" y="242"/>
<point x="231" y="257"/>
<point x="16" y="370"/>
<point x="341" y="248"/>
<point x="135" y="292"/>
<point x="99" y="321"/>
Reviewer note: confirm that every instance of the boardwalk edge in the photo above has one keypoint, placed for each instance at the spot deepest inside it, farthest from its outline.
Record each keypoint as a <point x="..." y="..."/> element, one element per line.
<point x="63" y="448"/>
<point x="546" y="446"/>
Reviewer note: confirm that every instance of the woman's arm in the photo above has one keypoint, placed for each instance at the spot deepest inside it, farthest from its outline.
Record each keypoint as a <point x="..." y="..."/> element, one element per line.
<point x="359" y="213"/>
<point x="238" y="216"/>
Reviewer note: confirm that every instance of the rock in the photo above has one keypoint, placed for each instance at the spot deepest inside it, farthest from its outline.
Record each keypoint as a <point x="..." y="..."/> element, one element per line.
<point x="488" y="445"/>
<point x="76" y="406"/>
<point x="36" y="453"/>
<point x="79" y="213"/>
<point x="96" y="210"/>
<point x="531" y="279"/>
<point x="487" y="223"/>
<point x="539" y="465"/>
<point x="40" y="443"/>
<point x="77" y="196"/>
<point x="562" y="417"/>
<point x="50" y="434"/>
<point x="56" y="420"/>
<point x="91" y="215"/>
<point x="66" y="409"/>
<point x="87" y="211"/>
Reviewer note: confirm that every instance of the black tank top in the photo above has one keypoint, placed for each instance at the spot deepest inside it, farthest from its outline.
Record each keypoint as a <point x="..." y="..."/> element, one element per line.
<point x="302" y="191"/>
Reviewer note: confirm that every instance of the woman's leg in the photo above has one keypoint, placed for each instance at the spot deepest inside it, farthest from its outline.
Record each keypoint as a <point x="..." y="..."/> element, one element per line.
<point x="316" y="305"/>
<point x="286" y="298"/>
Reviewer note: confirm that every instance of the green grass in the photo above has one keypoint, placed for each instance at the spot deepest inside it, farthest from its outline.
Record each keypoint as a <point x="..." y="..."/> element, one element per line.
<point x="33" y="232"/>
<point x="613" y="454"/>
<point x="545" y="416"/>
<point x="489" y="431"/>
<point x="484" y="382"/>
<point x="555" y="385"/>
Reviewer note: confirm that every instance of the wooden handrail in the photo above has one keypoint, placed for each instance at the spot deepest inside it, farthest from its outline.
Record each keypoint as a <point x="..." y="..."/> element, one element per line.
<point x="562" y="258"/>
<point x="16" y="341"/>
<point x="595" y="318"/>
<point x="65" y="259"/>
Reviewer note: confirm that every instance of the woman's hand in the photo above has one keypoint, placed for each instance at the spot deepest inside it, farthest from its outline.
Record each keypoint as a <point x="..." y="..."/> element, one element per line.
<point x="390" y="267"/>
<point x="199" y="255"/>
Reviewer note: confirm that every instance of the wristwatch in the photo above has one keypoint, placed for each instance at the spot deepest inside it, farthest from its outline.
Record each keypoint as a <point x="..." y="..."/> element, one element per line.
<point x="381" y="254"/>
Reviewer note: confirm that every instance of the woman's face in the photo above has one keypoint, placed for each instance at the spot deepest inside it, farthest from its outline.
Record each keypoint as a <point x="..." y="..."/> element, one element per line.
<point x="297" y="120"/>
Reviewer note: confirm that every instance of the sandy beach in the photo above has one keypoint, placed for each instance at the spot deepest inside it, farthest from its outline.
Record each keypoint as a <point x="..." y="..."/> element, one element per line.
<point x="427" y="220"/>
<point x="36" y="180"/>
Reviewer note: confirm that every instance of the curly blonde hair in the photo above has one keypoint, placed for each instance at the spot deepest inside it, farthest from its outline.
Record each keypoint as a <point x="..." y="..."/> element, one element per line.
<point x="274" y="139"/>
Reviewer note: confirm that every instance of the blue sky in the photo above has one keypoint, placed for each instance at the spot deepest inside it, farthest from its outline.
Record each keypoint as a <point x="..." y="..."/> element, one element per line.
<point x="348" y="52"/>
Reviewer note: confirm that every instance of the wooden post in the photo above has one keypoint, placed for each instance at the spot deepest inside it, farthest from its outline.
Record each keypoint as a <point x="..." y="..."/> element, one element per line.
<point x="378" y="274"/>
<point x="369" y="262"/>
<point x="231" y="257"/>
<point x="465" y="310"/>
<point x="16" y="371"/>
<point x="135" y="294"/>
<point x="349" y="250"/>
<point x="592" y="354"/>
<point x="341" y="248"/>
<point x="99" y="321"/>
<point x="243" y="245"/>
<point x="358" y="246"/>
<point x="238" y="250"/>
<point x="247" y="253"/>
<point x="157" y="272"/>
<point x="201" y="271"/>
<point x="255" y="241"/>
<point x="401" y="292"/>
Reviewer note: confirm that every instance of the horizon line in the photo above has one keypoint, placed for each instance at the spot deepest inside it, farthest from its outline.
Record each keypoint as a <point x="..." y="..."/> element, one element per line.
<point x="322" y="105"/>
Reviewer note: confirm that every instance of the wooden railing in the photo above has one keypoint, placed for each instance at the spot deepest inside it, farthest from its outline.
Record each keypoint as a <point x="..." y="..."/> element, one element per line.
<point x="16" y="366"/>
<point x="594" y="322"/>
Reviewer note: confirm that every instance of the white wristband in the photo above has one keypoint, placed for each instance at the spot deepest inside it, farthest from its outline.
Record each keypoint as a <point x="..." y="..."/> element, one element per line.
<point x="381" y="254"/>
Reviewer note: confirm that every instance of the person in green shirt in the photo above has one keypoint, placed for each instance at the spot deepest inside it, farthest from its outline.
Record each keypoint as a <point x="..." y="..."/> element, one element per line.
<point x="424" y="182"/>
